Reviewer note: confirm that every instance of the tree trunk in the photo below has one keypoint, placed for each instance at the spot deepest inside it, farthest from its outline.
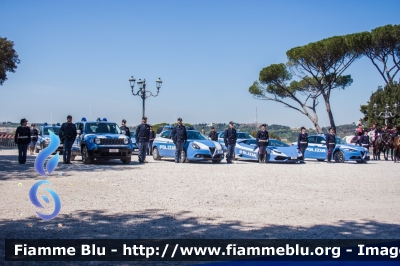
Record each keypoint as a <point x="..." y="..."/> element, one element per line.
<point x="329" y="111"/>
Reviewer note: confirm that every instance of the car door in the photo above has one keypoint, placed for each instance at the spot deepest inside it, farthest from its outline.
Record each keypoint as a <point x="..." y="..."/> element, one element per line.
<point x="310" y="151"/>
<point x="320" y="148"/>
<point x="166" y="146"/>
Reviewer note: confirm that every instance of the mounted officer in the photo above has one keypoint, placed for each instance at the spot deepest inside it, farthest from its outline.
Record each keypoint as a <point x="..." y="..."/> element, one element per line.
<point x="179" y="137"/>
<point x="67" y="136"/>
<point x="330" y="143"/>
<point x="302" y="141"/>
<point x="213" y="134"/>
<point x="124" y="127"/>
<point x="142" y="137"/>
<point x="22" y="138"/>
<point x="262" y="142"/>
<point x="230" y="138"/>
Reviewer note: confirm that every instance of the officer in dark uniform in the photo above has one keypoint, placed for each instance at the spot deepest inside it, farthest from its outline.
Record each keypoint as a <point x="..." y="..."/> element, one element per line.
<point x="364" y="140"/>
<point x="34" y="139"/>
<point x="67" y="136"/>
<point x="213" y="135"/>
<point x="179" y="137"/>
<point x="230" y="138"/>
<point x="124" y="127"/>
<point x="151" y="140"/>
<point x="262" y="142"/>
<point x="302" y="142"/>
<point x="142" y="137"/>
<point x="22" y="138"/>
<point x="330" y="144"/>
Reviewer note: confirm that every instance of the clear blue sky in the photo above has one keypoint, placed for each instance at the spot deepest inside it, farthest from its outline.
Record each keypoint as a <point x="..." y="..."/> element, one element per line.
<point x="206" y="52"/>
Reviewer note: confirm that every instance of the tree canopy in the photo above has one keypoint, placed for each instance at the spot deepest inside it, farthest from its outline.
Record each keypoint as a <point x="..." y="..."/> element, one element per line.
<point x="8" y="58"/>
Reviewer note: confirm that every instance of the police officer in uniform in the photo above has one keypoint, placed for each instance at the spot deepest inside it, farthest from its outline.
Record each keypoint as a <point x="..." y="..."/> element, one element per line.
<point x="34" y="139"/>
<point x="262" y="142"/>
<point x="124" y="127"/>
<point x="151" y="140"/>
<point x="142" y="137"/>
<point x="302" y="142"/>
<point x="213" y="135"/>
<point x="22" y="138"/>
<point x="67" y="136"/>
<point x="364" y="140"/>
<point x="179" y="137"/>
<point x="330" y="143"/>
<point x="230" y="138"/>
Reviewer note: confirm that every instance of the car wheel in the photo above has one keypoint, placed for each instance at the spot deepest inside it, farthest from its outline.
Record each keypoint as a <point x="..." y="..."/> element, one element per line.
<point x="339" y="157"/>
<point x="156" y="155"/>
<point x="216" y="161"/>
<point x="85" y="156"/>
<point x="184" y="157"/>
<point x="127" y="160"/>
<point x="321" y="160"/>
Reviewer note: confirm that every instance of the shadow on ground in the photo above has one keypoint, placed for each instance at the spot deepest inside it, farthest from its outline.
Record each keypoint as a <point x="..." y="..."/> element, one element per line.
<point x="156" y="224"/>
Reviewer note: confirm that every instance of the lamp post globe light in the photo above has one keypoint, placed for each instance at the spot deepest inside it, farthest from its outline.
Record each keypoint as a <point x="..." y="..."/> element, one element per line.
<point x="387" y="114"/>
<point x="142" y="92"/>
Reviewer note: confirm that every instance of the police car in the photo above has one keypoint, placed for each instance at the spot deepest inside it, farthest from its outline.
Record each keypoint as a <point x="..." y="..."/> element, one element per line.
<point x="44" y="137"/>
<point x="277" y="151"/>
<point x="196" y="148"/>
<point x="343" y="151"/>
<point x="101" y="140"/>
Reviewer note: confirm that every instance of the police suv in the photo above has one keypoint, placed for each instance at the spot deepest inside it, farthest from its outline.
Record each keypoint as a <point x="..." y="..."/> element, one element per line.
<point x="44" y="137"/>
<point x="101" y="140"/>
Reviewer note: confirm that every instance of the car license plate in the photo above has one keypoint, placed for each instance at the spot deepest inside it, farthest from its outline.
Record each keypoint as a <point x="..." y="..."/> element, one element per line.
<point x="113" y="150"/>
<point x="293" y="157"/>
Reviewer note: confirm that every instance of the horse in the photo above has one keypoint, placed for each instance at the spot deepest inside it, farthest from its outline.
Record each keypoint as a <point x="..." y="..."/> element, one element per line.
<point x="396" y="148"/>
<point x="387" y="145"/>
<point x="377" y="147"/>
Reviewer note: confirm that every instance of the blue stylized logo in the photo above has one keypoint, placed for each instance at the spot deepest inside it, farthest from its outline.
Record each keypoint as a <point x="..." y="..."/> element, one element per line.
<point x="52" y="163"/>
<point x="35" y="201"/>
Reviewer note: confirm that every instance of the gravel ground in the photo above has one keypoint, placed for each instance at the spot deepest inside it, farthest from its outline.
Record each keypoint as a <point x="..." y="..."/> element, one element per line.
<point x="162" y="199"/>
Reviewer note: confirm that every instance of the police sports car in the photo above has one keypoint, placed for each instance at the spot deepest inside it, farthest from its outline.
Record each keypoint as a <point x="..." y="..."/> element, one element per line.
<point x="343" y="151"/>
<point x="196" y="148"/>
<point x="239" y="135"/>
<point x="277" y="151"/>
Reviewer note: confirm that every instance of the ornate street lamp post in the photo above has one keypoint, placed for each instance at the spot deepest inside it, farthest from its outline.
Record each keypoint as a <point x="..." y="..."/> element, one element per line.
<point x="142" y="92"/>
<point x="386" y="114"/>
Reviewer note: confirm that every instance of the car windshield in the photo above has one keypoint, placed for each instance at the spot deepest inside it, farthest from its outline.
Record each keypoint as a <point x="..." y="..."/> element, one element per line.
<point x="243" y="135"/>
<point x="340" y="141"/>
<point x="55" y="130"/>
<point x="101" y="127"/>
<point x="277" y="143"/>
<point x="194" y="135"/>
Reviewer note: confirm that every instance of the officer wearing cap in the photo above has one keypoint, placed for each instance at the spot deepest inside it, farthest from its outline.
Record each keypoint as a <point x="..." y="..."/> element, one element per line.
<point x="302" y="141"/>
<point x="262" y="142"/>
<point x="151" y="140"/>
<point x="230" y="138"/>
<point x="124" y="127"/>
<point x="179" y="137"/>
<point x="213" y="135"/>
<point x="330" y="143"/>
<point x="22" y="138"/>
<point x="67" y="136"/>
<point x="34" y="138"/>
<point x="142" y="137"/>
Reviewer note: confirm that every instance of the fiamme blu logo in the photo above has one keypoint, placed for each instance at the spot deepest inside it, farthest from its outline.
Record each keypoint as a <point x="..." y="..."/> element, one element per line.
<point x="50" y="166"/>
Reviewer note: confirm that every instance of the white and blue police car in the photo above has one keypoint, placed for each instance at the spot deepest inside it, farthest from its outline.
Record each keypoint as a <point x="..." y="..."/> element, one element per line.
<point x="101" y="140"/>
<point x="343" y="151"/>
<point x="196" y="148"/>
<point x="277" y="151"/>
<point x="240" y="136"/>
<point x="44" y="137"/>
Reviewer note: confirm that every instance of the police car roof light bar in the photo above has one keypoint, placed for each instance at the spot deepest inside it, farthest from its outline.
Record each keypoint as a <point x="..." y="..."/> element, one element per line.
<point x="45" y="124"/>
<point x="83" y="119"/>
<point x="58" y="124"/>
<point x="104" y="119"/>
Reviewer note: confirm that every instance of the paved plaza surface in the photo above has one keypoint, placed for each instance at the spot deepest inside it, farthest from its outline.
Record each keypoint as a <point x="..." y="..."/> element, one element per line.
<point x="161" y="199"/>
